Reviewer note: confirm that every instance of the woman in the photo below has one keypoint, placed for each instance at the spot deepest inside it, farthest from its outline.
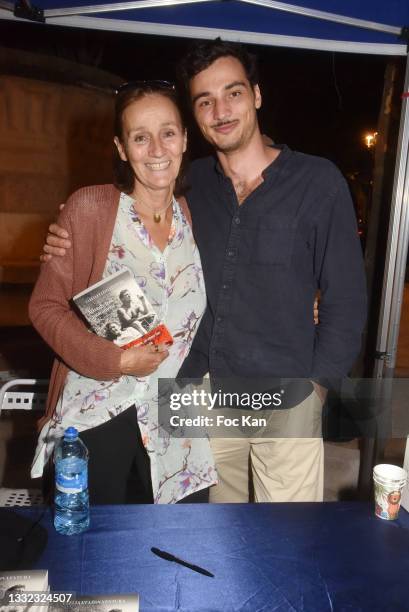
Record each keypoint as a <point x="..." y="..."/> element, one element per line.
<point x="114" y="332"/>
<point x="110" y="395"/>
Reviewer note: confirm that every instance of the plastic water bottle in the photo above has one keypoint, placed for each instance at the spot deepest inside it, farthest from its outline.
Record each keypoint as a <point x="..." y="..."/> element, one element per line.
<point x="71" y="484"/>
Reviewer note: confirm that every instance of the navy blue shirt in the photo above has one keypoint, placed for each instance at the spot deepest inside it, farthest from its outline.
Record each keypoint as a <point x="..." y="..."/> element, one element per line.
<point x="263" y="262"/>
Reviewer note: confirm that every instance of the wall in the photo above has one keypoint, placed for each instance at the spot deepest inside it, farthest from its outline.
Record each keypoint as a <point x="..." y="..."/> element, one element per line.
<point x="54" y="138"/>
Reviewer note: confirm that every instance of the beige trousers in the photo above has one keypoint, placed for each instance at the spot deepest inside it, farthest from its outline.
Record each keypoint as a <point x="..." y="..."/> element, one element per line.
<point x="282" y="463"/>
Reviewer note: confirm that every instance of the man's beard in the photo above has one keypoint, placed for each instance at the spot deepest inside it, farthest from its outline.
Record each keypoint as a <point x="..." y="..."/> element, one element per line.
<point x="232" y="146"/>
<point x="229" y="148"/>
<point x="240" y="142"/>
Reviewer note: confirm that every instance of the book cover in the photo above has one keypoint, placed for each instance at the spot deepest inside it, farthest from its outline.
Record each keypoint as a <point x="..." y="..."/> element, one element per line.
<point x="24" y="590"/>
<point x="405" y="492"/>
<point x="117" y="309"/>
<point x="29" y="580"/>
<point x="99" y="603"/>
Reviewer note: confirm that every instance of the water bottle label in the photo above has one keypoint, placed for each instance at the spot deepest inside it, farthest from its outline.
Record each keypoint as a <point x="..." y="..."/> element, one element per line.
<point x="71" y="476"/>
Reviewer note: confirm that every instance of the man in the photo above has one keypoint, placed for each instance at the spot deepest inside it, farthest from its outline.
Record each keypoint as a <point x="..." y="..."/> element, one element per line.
<point x="130" y="315"/>
<point x="273" y="226"/>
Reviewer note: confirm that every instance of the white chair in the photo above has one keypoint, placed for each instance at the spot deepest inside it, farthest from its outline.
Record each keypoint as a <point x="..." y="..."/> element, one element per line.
<point x="23" y="400"/>
<point x="13" y="398"/>
<point x="20" y="497"/>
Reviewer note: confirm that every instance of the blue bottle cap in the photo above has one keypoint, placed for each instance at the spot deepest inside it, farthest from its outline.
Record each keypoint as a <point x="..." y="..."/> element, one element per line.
<point x="70" y="433"/>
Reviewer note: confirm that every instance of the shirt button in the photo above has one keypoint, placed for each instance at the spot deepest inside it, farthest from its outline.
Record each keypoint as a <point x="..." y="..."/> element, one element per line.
<point x="225" y="286"/>
<point x="219" y="319"/>
<point x="231" y="253"/>
<point x="237" y="220"/>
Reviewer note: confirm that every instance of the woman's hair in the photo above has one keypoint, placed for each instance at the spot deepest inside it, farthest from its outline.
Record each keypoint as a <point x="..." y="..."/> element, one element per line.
<point x="124" y="177"/>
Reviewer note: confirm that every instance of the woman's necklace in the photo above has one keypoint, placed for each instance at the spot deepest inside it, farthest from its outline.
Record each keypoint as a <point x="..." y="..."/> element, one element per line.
<point x="157" y="214"/>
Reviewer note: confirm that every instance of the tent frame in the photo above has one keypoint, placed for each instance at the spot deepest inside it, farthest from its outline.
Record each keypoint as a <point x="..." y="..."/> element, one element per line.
<point x="397" y="249"/>
<point x="75" y="17"/>
<point x="398" y="238"/>
<point x="273" y="4"/>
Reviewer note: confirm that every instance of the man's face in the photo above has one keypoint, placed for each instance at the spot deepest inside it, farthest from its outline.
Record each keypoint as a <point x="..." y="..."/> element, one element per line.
<point x="224" y="104"/>
<point x="125" y="297"/>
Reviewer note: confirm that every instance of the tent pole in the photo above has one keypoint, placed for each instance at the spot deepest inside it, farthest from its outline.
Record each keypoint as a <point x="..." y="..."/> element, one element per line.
<point x="125" y="5"/>
<point x="394" y="275"/>
<point x="391" y="304"/>
<point x="326" y="16"/>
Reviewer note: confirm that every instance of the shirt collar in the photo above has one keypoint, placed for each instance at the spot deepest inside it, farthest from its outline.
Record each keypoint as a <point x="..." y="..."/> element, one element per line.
<point x="270" y="169"/>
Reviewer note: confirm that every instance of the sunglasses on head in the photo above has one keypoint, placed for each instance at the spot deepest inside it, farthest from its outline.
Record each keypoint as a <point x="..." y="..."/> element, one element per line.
<point x="150" y="85"/>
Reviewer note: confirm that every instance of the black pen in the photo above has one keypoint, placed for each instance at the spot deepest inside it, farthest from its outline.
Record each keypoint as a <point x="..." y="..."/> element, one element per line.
<point x="168" y="557"/>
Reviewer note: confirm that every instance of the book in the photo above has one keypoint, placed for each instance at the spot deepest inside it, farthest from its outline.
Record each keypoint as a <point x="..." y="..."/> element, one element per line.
<point x="29" y="591"/>
<point x="405" y="492"/>
<point x="24" y="590"/>
<point x="99" y="603"/>
<point x="116" y="308"/>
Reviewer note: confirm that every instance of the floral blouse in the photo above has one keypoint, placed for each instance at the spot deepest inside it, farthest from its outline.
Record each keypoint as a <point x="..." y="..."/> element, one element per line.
<point x="173" y="283"/>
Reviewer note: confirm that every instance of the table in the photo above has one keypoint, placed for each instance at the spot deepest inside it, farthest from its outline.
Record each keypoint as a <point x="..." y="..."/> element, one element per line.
<point x="310" y="557"/>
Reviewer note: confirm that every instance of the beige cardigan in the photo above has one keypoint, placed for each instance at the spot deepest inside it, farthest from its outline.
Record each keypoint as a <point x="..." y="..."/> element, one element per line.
<point x="89" y="217"/>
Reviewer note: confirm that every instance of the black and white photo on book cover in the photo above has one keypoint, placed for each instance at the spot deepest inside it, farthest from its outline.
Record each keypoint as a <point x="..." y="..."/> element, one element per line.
<point x="117" y="309"/>
<point x="99" y="603"/>
<point x="19" y="588"/>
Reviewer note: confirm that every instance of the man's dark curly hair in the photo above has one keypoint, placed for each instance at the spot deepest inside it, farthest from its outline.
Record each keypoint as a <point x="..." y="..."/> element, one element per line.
<point x="204" y="53"/>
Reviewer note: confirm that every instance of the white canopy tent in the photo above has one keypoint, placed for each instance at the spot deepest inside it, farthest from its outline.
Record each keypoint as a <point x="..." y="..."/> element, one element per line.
<point x="368" y="26"/>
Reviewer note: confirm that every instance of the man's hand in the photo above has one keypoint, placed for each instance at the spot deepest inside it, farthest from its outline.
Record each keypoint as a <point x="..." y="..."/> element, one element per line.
<point x="143" y="360"/>
<point x="316" y="312"/>
<point x="56" y="242"/>
<point x="320" y="391"/>
<point x="316" y="307"/>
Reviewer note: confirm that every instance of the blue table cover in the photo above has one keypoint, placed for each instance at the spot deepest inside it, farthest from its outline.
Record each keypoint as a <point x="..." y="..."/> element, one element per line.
<point x="265" y="557"/>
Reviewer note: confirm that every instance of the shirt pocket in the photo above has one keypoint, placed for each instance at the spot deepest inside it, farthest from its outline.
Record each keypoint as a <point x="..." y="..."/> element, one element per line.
<point x="270" y="242"/>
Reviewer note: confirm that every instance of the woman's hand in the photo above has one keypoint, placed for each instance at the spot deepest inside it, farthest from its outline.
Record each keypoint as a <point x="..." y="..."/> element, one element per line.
<point x="143" y="360"/>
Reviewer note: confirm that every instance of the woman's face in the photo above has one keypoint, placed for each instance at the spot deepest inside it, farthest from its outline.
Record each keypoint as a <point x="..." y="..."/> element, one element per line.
<point x="153" y="141"/>
<point x="114" y="329"/>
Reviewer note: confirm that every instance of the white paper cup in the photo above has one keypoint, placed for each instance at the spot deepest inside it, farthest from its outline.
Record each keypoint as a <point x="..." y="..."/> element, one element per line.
<point x="389" y="481"/>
